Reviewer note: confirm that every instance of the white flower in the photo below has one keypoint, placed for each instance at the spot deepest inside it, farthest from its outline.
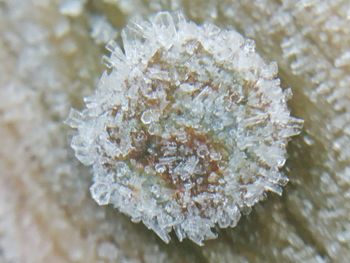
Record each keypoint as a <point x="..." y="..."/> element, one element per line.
<point x="187" y="127"/>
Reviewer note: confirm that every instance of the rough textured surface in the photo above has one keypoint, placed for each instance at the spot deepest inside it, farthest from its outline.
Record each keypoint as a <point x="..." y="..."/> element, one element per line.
<point x="49" y="62"/>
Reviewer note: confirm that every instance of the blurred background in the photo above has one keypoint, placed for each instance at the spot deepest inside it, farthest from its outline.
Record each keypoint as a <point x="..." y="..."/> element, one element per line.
<point x="51" y="57"/>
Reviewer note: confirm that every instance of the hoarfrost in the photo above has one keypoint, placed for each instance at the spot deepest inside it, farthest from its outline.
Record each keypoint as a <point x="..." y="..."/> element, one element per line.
<point x="199" y="125"/>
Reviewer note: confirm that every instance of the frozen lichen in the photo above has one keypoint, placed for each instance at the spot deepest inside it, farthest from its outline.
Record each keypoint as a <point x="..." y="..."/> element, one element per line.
<point x="188" y="127"/>
<point x="46" y="211"/>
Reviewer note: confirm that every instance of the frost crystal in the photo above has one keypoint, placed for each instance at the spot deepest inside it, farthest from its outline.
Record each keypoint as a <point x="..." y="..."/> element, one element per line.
<point x="188" y="127"/>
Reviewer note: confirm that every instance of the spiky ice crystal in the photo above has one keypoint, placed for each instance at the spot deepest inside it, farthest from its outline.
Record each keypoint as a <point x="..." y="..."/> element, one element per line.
<point x="187" y="127"/>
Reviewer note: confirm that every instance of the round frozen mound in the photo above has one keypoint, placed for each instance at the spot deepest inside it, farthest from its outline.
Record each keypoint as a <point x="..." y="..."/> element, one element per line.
<point x="186" y="128"/>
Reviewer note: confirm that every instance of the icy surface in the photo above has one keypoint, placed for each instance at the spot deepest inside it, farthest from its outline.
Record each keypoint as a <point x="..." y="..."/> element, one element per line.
<point x="187" y="127"/>
<point x="310" y="41"/>
<point x="48" y="63"/>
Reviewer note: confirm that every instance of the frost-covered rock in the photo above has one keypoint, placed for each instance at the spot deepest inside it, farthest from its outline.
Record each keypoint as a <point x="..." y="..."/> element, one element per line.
<point x="188" y="127"/>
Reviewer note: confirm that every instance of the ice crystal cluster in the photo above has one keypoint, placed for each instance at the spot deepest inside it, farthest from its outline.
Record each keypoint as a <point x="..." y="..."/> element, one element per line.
<point x="186" y="129"/>
<point x="50" y="53"/>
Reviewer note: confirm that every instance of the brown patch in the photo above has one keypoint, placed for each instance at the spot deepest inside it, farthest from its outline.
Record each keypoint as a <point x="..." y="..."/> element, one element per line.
<point x="148" y="150"/>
